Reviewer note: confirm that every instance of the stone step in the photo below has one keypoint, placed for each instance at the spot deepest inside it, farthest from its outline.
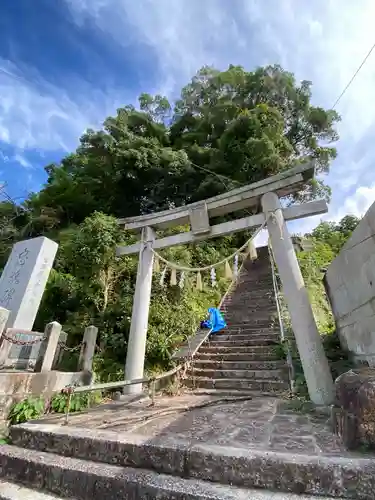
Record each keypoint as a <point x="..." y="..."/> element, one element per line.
<point x="239" y="365"/>
<point x="162" y="486"/>
<point x="262" y="284"/>
<point x="242" y="337"/>
<point x="349" y="477"/>
<point x="254" y="308"/>
<point x="265" y="354"/>
<point x="251" y="307"/>
<point x="249" y="330"/>
<point x="217" y="373"/>
<point x="247" y="290"/>
<point x="261" y="280"/>
<point x="255" y="291"/>
<point x="245" y="296"/>
<point x="84" y="480"/>
<point x="253" y="324"/>
<point x="250" y="317"/>
<point x="218" y="349"/>
<point x="243" y="343"/>
<point x="12" y="491"/>
<point x="258" y="385"/>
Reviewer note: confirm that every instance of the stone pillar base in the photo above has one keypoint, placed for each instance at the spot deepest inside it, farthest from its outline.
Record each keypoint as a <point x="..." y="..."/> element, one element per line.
<point x="353" y="414"/>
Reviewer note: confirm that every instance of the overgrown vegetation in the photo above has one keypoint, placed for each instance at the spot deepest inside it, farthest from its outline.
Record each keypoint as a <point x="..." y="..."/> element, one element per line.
<point x="25" y="410"/>
<point x="227" y="129"/>
<point x="33" y="408"/>
<point x="326" y="241"/>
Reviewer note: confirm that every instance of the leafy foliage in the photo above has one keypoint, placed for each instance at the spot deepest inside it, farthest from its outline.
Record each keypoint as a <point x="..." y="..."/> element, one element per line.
<point x="33" y="408"/>
<point x="28" y="409"/>
<point x="78" y="402"/>
<point x="335" y="235"/>
<point x="239" y="125"/>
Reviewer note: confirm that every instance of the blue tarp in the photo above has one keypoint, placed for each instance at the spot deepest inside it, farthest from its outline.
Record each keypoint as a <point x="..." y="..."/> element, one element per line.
<point x="216" y="320"/>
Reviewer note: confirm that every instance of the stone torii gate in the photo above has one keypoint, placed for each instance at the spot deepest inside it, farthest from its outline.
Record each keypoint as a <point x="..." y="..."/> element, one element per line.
<point x="264" y="198"/>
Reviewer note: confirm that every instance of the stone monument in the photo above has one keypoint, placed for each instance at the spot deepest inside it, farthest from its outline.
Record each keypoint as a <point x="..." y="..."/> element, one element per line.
<point x="24" y="279"/>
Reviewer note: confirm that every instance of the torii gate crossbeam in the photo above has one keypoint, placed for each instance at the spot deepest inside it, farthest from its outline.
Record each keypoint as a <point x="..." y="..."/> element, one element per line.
<point x="264" y="197"/>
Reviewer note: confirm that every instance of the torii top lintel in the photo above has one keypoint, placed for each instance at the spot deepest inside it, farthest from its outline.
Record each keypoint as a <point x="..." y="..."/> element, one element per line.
<point x="283" y="184"/>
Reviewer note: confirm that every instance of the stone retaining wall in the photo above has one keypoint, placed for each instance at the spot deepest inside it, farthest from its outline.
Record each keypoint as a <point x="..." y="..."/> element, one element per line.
<point x="350" y="285"/>
<point x="18" y="385"/>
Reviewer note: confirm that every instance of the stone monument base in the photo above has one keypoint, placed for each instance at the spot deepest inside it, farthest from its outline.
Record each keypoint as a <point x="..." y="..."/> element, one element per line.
<point x="353" y="413"/>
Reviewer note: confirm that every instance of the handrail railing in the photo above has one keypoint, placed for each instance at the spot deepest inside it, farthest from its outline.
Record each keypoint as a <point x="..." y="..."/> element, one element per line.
<point x="289" y="358"/>
<point x="150" y="381"/>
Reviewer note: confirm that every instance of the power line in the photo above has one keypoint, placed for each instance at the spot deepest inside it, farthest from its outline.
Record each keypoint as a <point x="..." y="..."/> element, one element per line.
<point x="353" y="77"/>
<point x="219" y="176"/>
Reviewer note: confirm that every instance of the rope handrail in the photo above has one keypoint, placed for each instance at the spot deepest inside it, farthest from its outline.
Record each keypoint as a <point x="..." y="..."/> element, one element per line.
<point x="178" y="267"/>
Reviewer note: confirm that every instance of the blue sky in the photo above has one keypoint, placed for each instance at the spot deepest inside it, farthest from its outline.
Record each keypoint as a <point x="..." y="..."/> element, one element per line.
<point x="67" y="64"/>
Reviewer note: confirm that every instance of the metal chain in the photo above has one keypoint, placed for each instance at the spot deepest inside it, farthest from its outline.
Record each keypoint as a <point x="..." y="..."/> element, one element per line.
<point x="70" y="349"/>
<point x="15" y="341"/>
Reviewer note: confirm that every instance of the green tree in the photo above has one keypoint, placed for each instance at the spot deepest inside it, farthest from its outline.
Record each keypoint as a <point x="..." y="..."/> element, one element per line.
<point x="327" y="240"/>
<point x="228" y="128"/>
<point x="88" y="252"/>
<point x="215" y="101"/>
<point x="335" y="234"/>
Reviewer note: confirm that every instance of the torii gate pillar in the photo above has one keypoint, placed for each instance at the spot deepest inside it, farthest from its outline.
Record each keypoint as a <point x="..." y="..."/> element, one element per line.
<point x="135" y="356"/>
<point x="310" y="347"/>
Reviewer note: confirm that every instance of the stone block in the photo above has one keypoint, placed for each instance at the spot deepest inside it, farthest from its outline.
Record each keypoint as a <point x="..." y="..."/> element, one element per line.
<point x="354" y="408"/>
<point x="24" y="278"/>
<point x="363" y="231"/>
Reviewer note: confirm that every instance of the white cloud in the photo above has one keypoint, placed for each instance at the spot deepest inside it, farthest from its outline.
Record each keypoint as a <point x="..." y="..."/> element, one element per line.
<point x="35" y="114"/>
<point x="323" y="41"/>
<point x="358" y="203"/>
<point x="22" y="160"/>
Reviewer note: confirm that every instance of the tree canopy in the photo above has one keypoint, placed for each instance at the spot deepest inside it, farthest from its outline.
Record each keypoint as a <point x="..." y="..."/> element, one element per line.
<point x="227" y="128"/>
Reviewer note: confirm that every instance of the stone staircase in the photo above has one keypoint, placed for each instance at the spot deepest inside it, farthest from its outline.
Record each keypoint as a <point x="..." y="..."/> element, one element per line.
<point x="239" y="450"/>
<point x="242" y="358"/>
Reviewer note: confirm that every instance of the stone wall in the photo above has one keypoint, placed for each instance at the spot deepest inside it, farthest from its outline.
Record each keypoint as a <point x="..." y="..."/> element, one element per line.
<point x="18" y="385"/>
<point x="350" y="285"/>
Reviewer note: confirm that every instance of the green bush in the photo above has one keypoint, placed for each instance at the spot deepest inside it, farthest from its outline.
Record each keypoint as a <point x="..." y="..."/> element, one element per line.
<point x="78" y="402"/>
<point x="33" y="408"/>
<point x="25" y="410"/>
